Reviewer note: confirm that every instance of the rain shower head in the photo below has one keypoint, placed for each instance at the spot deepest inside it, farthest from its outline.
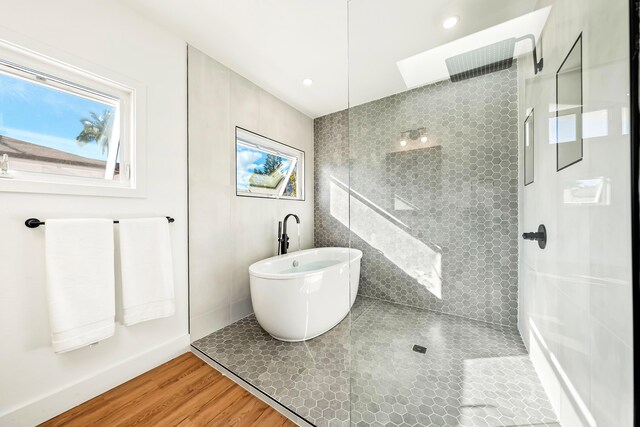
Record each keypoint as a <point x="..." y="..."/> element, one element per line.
<point x="488" y="59"/>
<point x="485" y="60"/>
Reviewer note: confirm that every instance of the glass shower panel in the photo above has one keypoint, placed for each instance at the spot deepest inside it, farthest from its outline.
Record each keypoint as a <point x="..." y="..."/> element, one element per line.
<point x="575" y="311"/>
<point x="276" y="322"/>
<point x="458" y="321"/>
<point x="330" y="375"/>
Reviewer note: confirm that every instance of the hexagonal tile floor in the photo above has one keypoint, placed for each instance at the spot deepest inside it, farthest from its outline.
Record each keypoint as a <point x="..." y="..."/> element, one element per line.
<point x="365" y="372"/>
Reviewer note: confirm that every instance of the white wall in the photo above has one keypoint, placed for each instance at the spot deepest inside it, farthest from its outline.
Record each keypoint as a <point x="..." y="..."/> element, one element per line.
<point x="575" y="296"/>
<point x="35" y="383"/>
<point x="228" y="233"/>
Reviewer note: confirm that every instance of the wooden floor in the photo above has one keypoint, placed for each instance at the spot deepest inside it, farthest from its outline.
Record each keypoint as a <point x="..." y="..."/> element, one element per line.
<point x="183" y="392"/>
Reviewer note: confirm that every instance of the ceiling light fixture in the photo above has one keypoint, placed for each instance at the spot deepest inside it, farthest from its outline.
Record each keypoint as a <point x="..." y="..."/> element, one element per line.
<point x="450" y="22"/>
<point x="307" y="82"/>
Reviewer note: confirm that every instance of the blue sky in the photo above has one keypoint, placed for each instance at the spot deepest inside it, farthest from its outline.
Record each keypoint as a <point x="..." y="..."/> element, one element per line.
<point x="249" y="159"/>
<point x="46" y="116"/>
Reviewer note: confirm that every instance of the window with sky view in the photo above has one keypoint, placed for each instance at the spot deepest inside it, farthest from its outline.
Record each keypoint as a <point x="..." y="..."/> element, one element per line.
<point x="46" y="129"/>
<point x="267" y="168"/>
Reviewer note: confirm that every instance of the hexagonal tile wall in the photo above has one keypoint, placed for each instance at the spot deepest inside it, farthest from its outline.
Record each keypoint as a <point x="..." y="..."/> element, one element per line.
<point x="365" y="373"/>
<point x="456" y="195"/>
<point x="452" y="203"/>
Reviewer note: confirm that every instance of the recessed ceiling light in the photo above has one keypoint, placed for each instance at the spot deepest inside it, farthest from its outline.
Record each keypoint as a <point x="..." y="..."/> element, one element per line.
<point x="424" y="139"/>
<point x="307" y="82"/>
<point x="403" y="142"/>
<point x="450" y="22"/>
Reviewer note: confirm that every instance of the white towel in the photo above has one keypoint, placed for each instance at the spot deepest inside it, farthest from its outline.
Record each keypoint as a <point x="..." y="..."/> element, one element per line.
<point x="80" y="281"/>
<point x="147" y="270"/>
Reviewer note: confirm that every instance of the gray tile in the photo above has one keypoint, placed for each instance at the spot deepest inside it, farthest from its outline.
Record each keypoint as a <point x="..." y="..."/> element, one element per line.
<point x="463" y="198"/>
<point x="463" y="192"/>
<point x="364" y="370"/>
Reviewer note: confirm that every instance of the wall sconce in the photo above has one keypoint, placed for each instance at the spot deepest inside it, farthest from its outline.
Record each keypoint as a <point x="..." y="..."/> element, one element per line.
<point x="413" y="135"/>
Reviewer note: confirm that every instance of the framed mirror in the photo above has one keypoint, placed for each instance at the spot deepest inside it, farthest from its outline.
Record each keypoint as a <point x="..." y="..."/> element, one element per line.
<point x="268" y="168"/>
<point x="569" y="108"/>
<point x="528" y="149"/>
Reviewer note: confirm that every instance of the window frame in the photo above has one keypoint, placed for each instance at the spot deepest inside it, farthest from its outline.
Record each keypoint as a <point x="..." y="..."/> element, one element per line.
<point x="271" y="146"/>
<point x="94" y="83"/>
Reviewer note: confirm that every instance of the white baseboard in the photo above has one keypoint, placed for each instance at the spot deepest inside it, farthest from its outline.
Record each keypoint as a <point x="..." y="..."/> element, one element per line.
<point x="55" y="403"/>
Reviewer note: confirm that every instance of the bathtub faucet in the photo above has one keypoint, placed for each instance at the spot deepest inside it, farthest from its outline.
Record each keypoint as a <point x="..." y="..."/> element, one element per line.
<point x="283" y="239"/>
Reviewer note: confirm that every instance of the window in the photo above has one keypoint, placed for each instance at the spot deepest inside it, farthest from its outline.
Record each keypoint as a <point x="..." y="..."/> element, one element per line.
<point x="267" y="168"/>
<point x="62" y="125"/>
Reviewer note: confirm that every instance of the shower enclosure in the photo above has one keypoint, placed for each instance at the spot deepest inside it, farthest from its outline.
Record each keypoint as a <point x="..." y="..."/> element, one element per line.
<point x="468" y="126"/>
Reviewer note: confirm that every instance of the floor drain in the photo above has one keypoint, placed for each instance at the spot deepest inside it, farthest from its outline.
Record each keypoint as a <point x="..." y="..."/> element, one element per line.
<point x="419" y="349"/>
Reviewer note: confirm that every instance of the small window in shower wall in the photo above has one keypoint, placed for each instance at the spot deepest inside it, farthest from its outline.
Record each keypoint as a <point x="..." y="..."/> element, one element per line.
<point x="528" y="149"/>
<point x="569" y="108"/>
<point x="267" y="168"/>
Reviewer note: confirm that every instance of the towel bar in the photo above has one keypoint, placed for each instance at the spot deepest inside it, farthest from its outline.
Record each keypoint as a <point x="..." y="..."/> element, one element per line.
<point x="35" y="222"/>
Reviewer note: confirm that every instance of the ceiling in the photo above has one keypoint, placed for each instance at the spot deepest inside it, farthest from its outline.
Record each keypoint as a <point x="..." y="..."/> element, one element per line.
<point x="278" y="43"/>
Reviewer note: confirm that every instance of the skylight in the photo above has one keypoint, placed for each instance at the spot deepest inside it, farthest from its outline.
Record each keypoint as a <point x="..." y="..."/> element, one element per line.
<point x="430" y="67"/>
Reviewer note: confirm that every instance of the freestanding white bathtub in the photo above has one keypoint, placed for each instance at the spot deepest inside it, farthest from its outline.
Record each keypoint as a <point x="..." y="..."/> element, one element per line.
<point x="303" y="294"/>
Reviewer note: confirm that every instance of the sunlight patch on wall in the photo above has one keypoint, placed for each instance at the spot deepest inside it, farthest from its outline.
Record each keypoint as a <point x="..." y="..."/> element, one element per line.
<point x="383" y="232"/>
